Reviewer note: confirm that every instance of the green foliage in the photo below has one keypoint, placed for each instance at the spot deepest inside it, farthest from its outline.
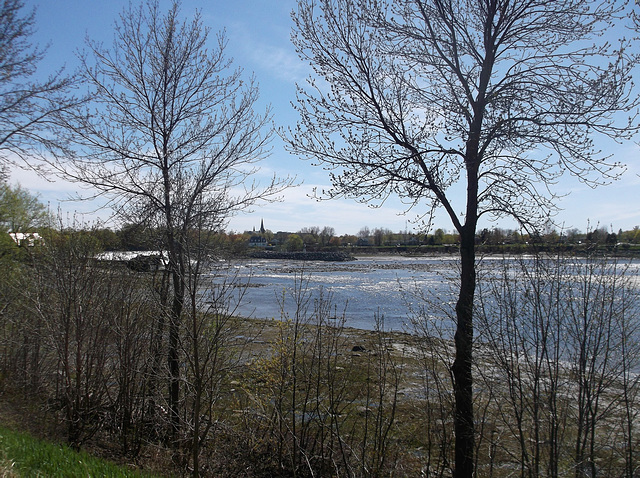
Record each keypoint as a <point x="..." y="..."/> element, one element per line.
<point x="20" y="211"/>
<point x="294" y="243"/>
<point x="8" y="247"/>
<point x="109" y="240"/>
<point x="136" y="237"/>
<point x="24" y="455"/>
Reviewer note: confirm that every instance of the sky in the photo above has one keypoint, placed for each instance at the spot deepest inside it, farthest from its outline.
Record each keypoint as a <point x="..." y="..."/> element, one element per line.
<point x="258" y="33"/>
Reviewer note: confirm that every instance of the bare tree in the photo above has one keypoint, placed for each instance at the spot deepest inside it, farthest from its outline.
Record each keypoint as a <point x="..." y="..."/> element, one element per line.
<point x="381" y="235"/>
<point x="27" y="105"/>
<point x="561" y="338"/>
<point x="207" y="341"/>
<point x="326" y="234"/>
<point x="429" y="98"/>
<point x="72" y="307"/>
<point x="364" y="232"/>
<point x="171" y="136"/>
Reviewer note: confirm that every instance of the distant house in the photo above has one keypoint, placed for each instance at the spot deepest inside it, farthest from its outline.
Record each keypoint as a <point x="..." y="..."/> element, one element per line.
<point x="141" y="261"/>
<point x="257" y="241"/>
<point x="27" y="238"/>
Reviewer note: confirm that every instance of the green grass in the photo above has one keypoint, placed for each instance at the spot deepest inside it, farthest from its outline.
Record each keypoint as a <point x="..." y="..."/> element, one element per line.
<point x="23" y="455"/>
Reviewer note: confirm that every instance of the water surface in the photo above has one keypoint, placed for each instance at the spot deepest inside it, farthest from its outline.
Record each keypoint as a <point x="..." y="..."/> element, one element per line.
<point x="362" y="289"/>
<point x="393" y="287"/>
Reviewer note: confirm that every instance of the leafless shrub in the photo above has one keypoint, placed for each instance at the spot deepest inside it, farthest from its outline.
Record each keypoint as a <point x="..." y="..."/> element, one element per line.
<point x="324" y="405"/>
<point x="561" y="335"/>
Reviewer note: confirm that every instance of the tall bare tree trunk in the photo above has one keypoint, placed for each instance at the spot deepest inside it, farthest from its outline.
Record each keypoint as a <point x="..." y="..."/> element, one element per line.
<point x="463" y="381"/>
<point x="177" y="266"/>
<point x="173" y="359"/>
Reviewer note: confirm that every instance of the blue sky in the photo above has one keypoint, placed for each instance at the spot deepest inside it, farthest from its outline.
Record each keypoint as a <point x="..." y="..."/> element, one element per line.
<point x="258" y="34"/>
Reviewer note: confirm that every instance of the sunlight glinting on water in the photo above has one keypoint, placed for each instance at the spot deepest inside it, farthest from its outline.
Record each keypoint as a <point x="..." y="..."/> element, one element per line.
<point x="367" y="287"/>
<point x="395" y="287"/>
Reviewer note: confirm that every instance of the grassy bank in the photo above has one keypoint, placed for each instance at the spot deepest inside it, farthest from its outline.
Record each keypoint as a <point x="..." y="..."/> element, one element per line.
<point x="23" y="455"/>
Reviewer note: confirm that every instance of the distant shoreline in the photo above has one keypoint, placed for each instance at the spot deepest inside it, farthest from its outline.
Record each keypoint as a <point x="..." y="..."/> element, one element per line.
<point x="329" y="256"/>
<point x="352" y="254"/>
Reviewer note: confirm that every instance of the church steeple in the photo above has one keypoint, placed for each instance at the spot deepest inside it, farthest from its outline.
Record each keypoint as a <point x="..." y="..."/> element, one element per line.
<point x="262" y="231"/>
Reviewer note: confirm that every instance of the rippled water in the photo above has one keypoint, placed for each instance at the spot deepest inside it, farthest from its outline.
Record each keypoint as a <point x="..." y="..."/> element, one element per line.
<point x="361" y="288"/>
<point x="389" y="286"/>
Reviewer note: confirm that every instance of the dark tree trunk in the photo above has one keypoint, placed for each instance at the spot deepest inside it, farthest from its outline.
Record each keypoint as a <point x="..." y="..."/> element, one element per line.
<point x="464" y="426"/>
<point x="173" y="355"/>
<point x="177" y="271"/>
<point x="462" y="365"/>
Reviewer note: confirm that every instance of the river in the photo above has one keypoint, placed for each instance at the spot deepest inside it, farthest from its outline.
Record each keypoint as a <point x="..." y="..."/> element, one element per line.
<point x="361" y="289"/>
<point x="394" y="287"/>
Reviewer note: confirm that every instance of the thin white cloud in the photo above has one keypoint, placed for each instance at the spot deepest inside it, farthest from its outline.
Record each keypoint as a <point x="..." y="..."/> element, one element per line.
<point x="281" y="62"/>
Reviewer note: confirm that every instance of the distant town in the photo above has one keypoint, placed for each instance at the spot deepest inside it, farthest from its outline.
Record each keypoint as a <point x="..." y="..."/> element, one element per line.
<point x="133" y="237"/>
<point x="317" y="238"/>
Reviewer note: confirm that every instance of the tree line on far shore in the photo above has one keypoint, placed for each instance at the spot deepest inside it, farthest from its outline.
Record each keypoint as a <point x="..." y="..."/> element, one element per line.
<point x="31" y="216"/>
